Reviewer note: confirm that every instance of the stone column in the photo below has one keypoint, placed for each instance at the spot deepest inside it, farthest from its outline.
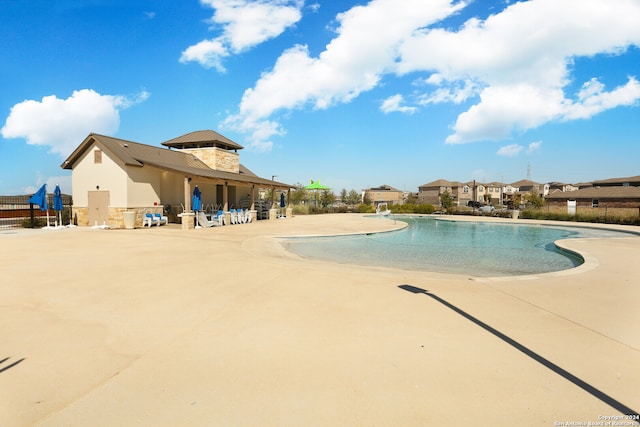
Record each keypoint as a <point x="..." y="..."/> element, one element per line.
<point x="225" y="201"/>
<point x="187" y="217"/>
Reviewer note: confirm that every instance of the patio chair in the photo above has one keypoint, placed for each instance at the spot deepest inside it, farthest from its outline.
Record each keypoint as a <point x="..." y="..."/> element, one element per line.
<point x="149" y="220"/>
<point x="249" y="216"/>
<point x="204" y="222"/>
<point x="220" y="217"/>
<point x="162" y="219"/>
<point x="241" y="218"/>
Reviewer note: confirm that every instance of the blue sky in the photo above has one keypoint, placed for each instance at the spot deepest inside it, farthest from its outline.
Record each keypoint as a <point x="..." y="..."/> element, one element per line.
<point x="354" y="93"/>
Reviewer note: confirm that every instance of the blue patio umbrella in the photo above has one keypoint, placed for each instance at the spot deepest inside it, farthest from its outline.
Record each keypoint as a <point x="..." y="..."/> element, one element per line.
<point x="57" y="202"/>
<point x="282" y="200"/>
<point x="40" y="199"/>
<point x="196" y="202"/>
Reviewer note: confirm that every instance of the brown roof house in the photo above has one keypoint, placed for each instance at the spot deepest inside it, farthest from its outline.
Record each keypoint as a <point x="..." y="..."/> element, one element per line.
<point x="461" y="192"/>
<point x="384" y="194"/>
<point x="431" y="191"/>
<point x="111" y="176"/>
<point x="611" y="193"/>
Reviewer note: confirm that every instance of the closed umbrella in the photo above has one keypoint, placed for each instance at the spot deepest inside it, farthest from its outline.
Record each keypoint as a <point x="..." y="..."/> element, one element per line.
<point x="282" y="200"/>
<point x="57" y="202"/>
<point x="196" y="203"/>
<point x="40" y="199"/>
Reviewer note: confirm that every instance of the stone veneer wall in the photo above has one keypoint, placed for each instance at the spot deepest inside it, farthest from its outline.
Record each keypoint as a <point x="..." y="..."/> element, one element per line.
<point x="218" y="159"/>
<point x="81" y="215"/>
<point x="116" y="215"/>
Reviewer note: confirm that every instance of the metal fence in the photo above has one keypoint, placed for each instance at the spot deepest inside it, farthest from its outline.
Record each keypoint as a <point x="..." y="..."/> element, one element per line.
<point x="17" y="212"/>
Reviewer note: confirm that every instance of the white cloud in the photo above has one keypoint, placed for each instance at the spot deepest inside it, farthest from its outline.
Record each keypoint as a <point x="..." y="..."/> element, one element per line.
<point x="245" y="24"/>
<point x="208" y="53"/>
<point x="593" y="99"/>
<point x="455" y="92"/>
<point x="353" y="62"/>
<point x="394" y="104"/>
<point x="534" y="147"/>
<point x="515" y="65"/>
<point x="523" y="51"/>
<point x="510" y="150"/>
<point x="62" y="124"/>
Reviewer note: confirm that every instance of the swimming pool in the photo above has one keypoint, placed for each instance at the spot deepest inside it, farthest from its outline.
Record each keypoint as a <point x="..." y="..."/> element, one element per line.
<point x="475" y="248"/>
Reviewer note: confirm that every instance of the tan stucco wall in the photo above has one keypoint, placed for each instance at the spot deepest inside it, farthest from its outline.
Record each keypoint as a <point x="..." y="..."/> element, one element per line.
<point x="143" y="187"/>
<point x="108" y="176"/>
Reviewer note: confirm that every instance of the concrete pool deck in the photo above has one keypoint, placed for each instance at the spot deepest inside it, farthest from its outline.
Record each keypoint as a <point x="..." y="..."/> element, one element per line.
<point x="168" y="327"/>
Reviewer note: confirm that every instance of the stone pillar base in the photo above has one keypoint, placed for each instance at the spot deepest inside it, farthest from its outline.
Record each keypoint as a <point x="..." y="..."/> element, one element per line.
<point x="273" y="213"/>
<point x="188" y="220"/>
<point x="289" y="212"/>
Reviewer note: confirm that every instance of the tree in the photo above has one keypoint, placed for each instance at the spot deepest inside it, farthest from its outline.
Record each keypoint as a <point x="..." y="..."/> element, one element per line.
<point x="367" y="200"/>
<point x="268" y="192"/>
<point x="343" y="195"/>
<point x="445" y="200"/>
<point x="535" y="199"/>
<point x="353" y="198"/>
<point x="327" y="198"/>
<point x="298" y="195"/>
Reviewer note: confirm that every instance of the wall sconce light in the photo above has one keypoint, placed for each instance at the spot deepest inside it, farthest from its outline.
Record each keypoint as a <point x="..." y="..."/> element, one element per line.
<point x="97" y="188"/>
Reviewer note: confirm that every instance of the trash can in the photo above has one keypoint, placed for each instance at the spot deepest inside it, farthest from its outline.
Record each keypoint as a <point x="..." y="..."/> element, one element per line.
<point x="515" y="214"/>
<point x="129" y="220"/>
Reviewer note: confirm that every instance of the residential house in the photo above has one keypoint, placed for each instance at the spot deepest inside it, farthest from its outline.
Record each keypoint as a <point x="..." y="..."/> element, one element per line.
<point x="384" y="194"/>
<point x="598" y="197"/>
<point x="461" y="192"/>
<point x="430" y="193"/>
<point x="111" y="176"/>
<point x="609" y="193"/>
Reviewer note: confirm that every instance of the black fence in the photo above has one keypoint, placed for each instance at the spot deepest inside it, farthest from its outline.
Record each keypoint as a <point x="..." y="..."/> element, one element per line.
<point x="17" y="212"/>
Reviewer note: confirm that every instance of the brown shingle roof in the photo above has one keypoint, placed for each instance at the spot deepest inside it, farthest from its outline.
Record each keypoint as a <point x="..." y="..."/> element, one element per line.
<point x="441" y="183"/>
<point x="202" y="139"/>
<point x="633" y="180"/>
<point x="613" y="192"/>
<point x="136" y="154"/>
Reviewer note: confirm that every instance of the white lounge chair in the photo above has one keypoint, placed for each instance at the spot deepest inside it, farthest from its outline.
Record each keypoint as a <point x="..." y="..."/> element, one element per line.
<point x="162" y="219"/>
<point x="220" y="217"/>
<point x="149" y="220"/>
<point x="241" y="216"/>
<point x="234" y="216"/>
<point x="204" y="222"/>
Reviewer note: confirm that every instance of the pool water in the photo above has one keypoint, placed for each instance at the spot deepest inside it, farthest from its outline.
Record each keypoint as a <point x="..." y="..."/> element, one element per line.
<point x="473" y="248"/>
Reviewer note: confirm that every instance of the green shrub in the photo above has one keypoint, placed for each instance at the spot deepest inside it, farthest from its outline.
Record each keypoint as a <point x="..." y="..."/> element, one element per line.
<point x="593" y="218"/>
<point x="362" y="208"/>
<point x="300" y="209"/>
<point x="410" y="208"/>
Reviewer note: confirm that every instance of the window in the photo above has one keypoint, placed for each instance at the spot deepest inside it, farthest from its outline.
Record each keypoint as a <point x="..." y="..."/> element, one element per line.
<point x="465" y="190"/>
<point x="594" y="203"/>
<point x="97" y="157"/>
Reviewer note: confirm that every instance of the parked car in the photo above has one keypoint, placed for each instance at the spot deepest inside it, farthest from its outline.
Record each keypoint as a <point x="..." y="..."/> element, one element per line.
<point x="473" y="204"/>
<point x="486" y="209"/>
